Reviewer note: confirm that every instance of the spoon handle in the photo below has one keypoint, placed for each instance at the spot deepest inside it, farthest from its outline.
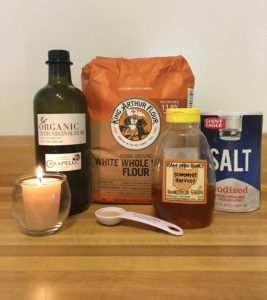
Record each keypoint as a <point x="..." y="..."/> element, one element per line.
<point x="155" y="222"/>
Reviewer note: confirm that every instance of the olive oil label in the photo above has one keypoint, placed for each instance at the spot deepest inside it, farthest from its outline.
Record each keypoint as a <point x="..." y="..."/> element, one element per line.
<point x="61" y="129"/>
<point x="63" y="162"/>
<point x="185" y="181"/>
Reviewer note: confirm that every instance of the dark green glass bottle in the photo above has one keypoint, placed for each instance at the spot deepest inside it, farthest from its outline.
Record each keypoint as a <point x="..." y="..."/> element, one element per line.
<point x="61" y="129"/>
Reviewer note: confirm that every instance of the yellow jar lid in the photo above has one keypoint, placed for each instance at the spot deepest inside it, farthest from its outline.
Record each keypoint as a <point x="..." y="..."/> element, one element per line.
<point x="183" y="115"/>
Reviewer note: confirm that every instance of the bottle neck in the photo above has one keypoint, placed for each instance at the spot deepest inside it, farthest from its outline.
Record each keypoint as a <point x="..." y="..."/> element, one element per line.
<point x="183" y="126"/>
<point x="59" y="73"/>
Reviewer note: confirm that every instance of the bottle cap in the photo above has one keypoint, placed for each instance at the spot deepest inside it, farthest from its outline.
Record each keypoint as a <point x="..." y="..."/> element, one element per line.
<point x="59" y="56"/>
<point x="183" y="115"/>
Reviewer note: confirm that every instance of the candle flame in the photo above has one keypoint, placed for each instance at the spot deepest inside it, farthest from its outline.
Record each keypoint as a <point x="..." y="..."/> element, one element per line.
<point x="39" y="173"/>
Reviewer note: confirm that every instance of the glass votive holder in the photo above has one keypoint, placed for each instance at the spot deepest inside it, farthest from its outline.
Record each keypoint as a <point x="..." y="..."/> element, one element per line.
<point x="41" y="205"/>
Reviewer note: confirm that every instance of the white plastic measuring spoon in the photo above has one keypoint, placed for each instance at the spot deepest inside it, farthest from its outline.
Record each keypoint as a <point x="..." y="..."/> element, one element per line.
<point x="113" y="215"/>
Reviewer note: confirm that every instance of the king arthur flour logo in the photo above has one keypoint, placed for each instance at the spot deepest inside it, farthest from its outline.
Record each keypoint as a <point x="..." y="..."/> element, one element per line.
<point x="135" y="123"/>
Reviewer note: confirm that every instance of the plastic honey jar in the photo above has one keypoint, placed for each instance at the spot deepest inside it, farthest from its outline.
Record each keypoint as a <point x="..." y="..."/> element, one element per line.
<point x="183" y="180"/>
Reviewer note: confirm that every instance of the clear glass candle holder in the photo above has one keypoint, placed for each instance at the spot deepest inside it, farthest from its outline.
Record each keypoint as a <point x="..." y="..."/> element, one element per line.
<point x="41" y="205"/>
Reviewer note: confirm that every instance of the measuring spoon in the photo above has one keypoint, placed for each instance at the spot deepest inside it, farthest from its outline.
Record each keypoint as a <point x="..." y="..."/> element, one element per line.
<point x="113" y="215"/>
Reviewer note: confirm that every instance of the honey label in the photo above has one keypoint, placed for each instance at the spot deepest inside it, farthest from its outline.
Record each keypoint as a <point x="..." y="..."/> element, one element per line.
<point x="185" y="181"/>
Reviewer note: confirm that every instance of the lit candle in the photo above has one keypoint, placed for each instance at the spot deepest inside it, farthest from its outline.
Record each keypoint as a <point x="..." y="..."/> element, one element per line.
<point x="41" y="198"/>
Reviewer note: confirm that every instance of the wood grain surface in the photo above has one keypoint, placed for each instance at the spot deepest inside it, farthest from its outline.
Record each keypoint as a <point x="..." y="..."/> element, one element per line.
<point x="86" y="260"/>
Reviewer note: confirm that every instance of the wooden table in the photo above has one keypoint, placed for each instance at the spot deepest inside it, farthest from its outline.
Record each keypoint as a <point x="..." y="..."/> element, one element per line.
<point x="85" y="260"/>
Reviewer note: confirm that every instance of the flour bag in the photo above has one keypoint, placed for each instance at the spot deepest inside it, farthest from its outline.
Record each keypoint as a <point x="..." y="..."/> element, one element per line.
<point x="127" y="100"/>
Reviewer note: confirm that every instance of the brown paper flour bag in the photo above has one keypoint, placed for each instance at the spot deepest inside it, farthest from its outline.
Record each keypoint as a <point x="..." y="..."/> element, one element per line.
<point x="126" y="102"/>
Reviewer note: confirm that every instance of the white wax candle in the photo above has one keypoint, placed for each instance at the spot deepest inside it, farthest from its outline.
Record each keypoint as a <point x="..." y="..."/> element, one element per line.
<point x="41" y="198"/>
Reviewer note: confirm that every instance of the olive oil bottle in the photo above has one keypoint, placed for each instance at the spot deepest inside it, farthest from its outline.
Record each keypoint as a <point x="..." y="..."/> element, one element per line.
<point x="61" y="129"/>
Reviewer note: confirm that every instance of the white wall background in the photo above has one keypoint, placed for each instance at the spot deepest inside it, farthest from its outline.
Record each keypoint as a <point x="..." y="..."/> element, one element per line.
<point x="224" y="41"/>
